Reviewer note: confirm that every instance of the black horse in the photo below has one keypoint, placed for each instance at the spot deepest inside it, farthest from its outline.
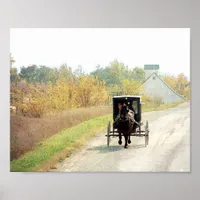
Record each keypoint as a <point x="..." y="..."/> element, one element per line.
<point x="125" y="126"/>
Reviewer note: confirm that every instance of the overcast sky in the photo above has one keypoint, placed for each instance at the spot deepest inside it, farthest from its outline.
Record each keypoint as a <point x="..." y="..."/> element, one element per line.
<point x="169" y="48"/>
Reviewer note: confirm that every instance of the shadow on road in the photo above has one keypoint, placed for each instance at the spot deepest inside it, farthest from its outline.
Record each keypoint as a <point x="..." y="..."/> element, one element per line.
<point x="105" y="149"/>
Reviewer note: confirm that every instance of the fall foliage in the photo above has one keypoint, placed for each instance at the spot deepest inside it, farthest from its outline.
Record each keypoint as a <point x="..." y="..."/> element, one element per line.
<point x="180" y="84"/>
<point x="40" y="90"/>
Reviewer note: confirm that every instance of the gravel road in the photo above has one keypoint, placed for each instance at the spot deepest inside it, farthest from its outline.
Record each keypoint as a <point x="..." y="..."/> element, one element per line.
<point x="168" y="149"/>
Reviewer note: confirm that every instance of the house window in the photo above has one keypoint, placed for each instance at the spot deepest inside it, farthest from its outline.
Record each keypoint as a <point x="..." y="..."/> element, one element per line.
<point x="154" y="77"/>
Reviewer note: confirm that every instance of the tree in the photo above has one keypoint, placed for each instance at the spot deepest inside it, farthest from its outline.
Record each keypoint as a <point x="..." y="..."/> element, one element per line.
<point x="90" y="91"/>
<point x="131" y="87"/>
<point x="29" y="73"/>
<point x="111" y="74"/>
<point x="138" y="74"/>
<point x="116" y="71"/>
<point x="180" y="84"/>
<point x="79" y="71"/>
<point x="14" y="76"/>
<point x="45" y="74"/>
<point x="12" y="60"/>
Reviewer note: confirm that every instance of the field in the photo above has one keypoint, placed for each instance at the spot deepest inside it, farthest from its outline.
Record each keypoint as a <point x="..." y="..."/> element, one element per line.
<point x="27" y="132"/>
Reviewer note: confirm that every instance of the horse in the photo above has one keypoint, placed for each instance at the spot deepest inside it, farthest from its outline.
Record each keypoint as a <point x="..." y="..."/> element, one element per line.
<point x="125" y="126"/>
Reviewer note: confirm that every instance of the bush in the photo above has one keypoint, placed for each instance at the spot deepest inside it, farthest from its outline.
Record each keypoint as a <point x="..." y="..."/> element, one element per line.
<point x="38" y="100"/>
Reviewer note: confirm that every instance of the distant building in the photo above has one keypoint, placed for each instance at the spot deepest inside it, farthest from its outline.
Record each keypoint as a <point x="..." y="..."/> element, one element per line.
<point x="156" y="87"/>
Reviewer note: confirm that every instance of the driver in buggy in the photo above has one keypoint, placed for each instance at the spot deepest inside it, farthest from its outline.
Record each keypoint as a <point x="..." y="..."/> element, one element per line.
<point x="131" y="113"/>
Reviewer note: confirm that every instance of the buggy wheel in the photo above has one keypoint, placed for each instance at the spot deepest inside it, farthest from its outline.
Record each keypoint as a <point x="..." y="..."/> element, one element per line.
<point x="108" y="134"/>
<point x="146" y="134"/>
<point x="140" y="130"/>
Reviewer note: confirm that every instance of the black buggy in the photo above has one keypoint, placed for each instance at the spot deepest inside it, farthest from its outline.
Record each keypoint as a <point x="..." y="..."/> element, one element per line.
<point x="134" y="103"/>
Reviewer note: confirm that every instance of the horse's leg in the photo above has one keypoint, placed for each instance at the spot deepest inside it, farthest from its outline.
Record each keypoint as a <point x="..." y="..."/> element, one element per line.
<point x="120" y="138"/>
<point x="129" y="138"/>
<point x="126" y="139"/>
<point x="129" y="134"/>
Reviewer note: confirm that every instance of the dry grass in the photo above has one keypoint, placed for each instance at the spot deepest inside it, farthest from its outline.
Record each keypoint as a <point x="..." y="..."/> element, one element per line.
<point x="27" y="132"/>
<point x="59" y="146"/>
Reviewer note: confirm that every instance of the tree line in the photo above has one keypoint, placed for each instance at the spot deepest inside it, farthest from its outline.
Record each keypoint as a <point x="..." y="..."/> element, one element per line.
<point x="38" y="90"/>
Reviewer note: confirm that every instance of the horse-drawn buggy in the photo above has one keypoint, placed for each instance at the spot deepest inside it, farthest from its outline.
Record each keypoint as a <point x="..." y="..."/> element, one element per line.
<point x="127" y="120"/>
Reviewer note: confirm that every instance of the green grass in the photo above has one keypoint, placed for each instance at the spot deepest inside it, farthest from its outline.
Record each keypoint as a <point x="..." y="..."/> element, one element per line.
<point x="65" y="142"/>
<point x="55" y="144"/>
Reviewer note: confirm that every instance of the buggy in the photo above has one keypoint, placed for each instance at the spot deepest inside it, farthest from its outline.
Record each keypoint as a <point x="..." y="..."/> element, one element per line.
<point x="134" y="103"/>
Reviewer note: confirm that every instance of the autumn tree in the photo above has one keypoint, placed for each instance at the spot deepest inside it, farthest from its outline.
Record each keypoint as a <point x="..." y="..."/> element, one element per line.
<point x="131" y="87"/>
<point x="180" y="84"/>
<point x="90" y="91"/>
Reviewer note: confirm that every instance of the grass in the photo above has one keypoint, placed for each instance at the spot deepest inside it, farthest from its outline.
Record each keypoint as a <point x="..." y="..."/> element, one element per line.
<point x="26" y="133"/>
<point x="160" y="107"/>
<point x="60" y="146"/>
<point x="67" y="140"/>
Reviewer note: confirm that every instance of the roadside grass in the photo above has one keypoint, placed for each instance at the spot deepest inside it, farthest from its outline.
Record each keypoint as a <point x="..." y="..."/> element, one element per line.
<point x="55" y="149"/>
<point x="50" y="164"/>
<point x="26" y="132"/>
<point x="160" y="107"/>
<point x="67" y="140"/>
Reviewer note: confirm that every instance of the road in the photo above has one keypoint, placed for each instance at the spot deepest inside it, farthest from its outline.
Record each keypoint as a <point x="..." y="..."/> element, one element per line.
<point x="168" y="149"/>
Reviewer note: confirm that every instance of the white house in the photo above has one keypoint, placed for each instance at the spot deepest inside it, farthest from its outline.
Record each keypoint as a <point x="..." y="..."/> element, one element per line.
<point x="156" y="87"/>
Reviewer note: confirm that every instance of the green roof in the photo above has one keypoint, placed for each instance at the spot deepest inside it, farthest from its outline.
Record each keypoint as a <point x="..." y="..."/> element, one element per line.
<point x="152" y="67"/>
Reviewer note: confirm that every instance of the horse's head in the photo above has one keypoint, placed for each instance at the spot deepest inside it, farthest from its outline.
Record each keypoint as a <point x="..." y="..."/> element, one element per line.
<point x="124" y="113"/>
